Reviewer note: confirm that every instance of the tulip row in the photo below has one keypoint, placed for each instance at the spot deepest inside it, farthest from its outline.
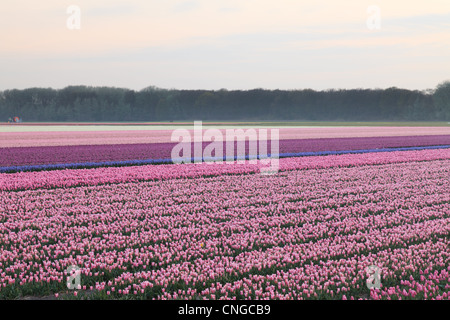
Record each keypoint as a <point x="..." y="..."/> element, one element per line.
<point x="308" y="232"/>
<point x="113" y="175"/>
<point x="67" y="138"/>
<point x="34" y="158"/>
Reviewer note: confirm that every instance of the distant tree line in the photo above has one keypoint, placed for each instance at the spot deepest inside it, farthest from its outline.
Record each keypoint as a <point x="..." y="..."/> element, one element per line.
<point x="82" y="103"/>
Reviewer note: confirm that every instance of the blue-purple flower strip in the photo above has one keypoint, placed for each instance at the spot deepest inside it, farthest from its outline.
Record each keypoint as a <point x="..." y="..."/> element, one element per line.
<point x="30" y="156"/>
<point x="87" y="165"/>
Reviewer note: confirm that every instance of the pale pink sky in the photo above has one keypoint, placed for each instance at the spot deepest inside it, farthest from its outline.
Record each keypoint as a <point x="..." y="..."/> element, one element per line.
<point x="234" y="44"/>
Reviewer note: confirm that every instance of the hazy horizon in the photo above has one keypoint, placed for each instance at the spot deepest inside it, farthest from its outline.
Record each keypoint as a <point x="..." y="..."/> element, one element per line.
<point x="236" y="45"/>
<point x="218" y="89"/>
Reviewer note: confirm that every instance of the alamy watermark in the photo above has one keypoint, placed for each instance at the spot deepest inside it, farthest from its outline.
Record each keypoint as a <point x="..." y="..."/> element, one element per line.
<point x="374" y="277"/>
<point x="74" y="20"/>
<point x="374" y="20"/>
<point x="74" y="277"/>
<point x="235" y="147"/>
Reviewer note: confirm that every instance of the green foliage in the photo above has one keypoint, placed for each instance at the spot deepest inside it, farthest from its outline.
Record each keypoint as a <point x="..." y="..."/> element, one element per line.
<point x="441" y="99"/>
<point x="82" y="103"/>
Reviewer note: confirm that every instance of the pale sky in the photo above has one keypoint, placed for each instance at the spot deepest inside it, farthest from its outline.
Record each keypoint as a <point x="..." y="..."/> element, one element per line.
<point x="233" y="44"/>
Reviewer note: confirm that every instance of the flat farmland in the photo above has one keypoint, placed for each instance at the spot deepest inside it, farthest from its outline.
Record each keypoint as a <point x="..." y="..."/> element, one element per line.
<point x="344" y="199"/>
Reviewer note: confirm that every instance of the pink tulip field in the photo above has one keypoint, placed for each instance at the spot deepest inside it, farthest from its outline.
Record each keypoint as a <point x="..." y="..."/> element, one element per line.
<point x="225" y="231"/>
<point x="69" y="138"/>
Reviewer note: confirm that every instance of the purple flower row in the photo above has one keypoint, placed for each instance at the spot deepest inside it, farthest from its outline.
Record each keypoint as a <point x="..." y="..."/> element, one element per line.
<point x="28" y="156"/>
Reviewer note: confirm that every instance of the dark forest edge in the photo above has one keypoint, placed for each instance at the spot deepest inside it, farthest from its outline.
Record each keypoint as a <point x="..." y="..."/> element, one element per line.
<point x="97" y="104"/>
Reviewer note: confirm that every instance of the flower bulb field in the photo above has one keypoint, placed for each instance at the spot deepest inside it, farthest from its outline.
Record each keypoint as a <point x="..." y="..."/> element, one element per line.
<point x="344" y="199"/>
